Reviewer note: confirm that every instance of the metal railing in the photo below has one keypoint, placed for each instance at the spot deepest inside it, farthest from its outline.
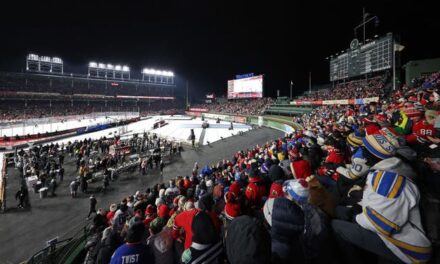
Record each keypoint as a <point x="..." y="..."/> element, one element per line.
<point x="58" y="251"/>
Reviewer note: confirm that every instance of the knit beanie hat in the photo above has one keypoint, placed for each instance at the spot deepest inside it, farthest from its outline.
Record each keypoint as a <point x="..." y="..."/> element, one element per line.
<point x="203" y="230"/>
<point x="297" y="189"/>
<point x="235" y="188"/>
<point x="379" y="146"/>
<point x="393" y="137"/>
<point x="232" y="206"/>
<point x="205" y="202"/>
<point x="163" y="211"/>
<point x="248" y="242"/>
<point x="276" y="173"/>
<point x="354" y="139"/>
<point x="135" y="232"/>
<point x="276" y="190"/>
<point x="150" y="210"/>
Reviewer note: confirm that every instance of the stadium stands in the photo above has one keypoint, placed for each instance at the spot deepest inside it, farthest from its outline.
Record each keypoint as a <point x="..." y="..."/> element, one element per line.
<point x="241" y="107"/>
<point x="352" y="170"/>
<point x="362" y="88"/>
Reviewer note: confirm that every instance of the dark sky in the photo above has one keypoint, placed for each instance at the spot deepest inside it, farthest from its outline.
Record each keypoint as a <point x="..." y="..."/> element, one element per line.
<point x="208" y="42"/>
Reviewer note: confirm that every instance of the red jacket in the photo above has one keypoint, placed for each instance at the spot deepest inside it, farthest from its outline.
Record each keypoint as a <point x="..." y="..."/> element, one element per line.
<point x="184" y="221"/>
<point x="335" y="157"/>
<point x="422" y="130"/>
<point x="255" y="191"/>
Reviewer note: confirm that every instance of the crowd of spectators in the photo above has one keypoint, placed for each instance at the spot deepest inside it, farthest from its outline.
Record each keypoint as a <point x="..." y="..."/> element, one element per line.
<point x="359" y="184"/>
<point x="238" y="107"/>
<point x="11" y="83"/>
<point x="17" y="111"/>
<point x="363" y="88"/>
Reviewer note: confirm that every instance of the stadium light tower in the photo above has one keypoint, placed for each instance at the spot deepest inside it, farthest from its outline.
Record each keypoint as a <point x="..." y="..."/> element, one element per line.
<point x="44" y="64"/>
<point x="157" y="76"/>
<point x="103" y="70"/>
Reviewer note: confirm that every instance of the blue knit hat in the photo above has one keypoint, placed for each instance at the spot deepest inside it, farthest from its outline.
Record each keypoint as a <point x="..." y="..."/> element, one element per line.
<point x="379" y="146"/>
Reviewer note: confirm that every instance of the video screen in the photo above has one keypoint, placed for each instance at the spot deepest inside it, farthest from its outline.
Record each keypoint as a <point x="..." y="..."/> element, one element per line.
<point x="251" y="87"/>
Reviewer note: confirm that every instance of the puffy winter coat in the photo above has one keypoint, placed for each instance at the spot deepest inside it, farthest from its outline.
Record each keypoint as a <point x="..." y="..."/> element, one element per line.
<point x="287" y="227"/>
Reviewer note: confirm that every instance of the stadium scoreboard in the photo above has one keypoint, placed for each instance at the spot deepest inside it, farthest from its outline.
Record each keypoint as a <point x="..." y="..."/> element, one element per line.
<point x="247" y="86"/>
<point x="373" y="56"/>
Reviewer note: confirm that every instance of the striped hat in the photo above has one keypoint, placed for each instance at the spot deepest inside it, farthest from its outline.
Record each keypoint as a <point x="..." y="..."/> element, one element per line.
<point x="393" y="137"/>
<point x="354" y="139"/>
<point x="379" y="146"/>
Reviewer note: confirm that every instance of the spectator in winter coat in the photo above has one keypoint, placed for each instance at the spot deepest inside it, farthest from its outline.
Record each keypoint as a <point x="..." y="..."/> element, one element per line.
<point x="300" y="168"/>
<point x="255" y="190"/>
<point x="162" y="217"/>
<point x="205" y="246"/>
<point x="182" y="223"/>
<point x="120" y="218"/>
<point x="161" y="243"/>
<point x="286" y="219"/>
<point x="248" y="242"/>
<point x="111" y="241"/>
<point x="389" y="223"/>
<point x="111" y="213"/>
<point x="315" y="154"/>
<point x="133" y="251"/>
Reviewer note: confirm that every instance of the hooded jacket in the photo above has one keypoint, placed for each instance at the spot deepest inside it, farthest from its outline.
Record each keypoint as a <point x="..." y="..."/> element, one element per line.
<point x="391" y="209"/>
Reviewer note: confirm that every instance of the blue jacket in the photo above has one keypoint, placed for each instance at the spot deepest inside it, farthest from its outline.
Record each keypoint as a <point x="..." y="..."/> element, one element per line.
<point x="132" y="254"/>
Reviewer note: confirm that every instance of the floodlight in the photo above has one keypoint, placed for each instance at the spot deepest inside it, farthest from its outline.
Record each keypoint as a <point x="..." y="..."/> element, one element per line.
<point x="109" y="66"/>
<point x="33" y="57"/>
<point x="125" y="68"/>
<point x="45" y="59"/>
<point x="170" y="73"/>
<point x="146" y="71"/>
<point x="57" y="60"/>
<point x="101" y="65"/>
<point x="93" y="64"/>
<point x="118" y="67"/>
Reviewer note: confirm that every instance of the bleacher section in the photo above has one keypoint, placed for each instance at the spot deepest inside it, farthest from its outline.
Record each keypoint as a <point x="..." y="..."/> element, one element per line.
<point x="287" y="109"/>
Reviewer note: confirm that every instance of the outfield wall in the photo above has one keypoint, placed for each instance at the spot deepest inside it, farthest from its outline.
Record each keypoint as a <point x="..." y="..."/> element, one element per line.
<point x="272" y="122"/>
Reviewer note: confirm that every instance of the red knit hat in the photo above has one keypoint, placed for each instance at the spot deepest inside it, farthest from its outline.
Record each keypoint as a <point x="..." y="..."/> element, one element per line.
<point x="150" y="210"/>
<point x="235" y="188"/>
<point x="276" y="190"/>
<point x="232" y="210"/>
<point x="163" y="210"/>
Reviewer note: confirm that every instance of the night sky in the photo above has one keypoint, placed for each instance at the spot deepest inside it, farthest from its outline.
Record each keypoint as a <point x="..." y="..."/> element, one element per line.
<point x="208" y="42"/>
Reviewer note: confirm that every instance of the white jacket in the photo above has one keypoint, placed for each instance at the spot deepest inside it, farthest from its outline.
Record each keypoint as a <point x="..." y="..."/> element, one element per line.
<point x="391" y="209"/>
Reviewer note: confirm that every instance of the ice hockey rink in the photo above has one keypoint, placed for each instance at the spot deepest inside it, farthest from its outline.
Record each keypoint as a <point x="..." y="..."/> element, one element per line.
<point x="177" y="128"/>
<point x="35" y="126"/>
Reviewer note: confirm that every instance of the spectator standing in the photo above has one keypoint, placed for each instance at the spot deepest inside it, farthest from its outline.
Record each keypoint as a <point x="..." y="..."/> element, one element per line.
<point x="93" y="203"/>
<point x="161" y="166"/>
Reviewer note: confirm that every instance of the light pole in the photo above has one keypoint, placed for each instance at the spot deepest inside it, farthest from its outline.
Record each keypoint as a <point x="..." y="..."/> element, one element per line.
<point x="291" y="84"/>
<point x="365" y="21"/>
